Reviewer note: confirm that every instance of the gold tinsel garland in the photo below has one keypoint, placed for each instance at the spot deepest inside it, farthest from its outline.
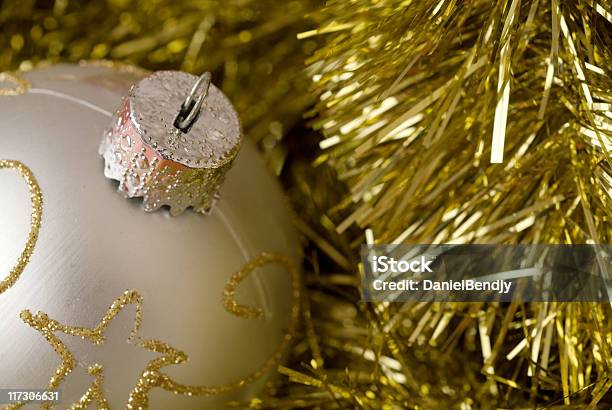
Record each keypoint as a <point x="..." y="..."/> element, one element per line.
<point x="457" y="122"/>
<point x="415" y="100"/>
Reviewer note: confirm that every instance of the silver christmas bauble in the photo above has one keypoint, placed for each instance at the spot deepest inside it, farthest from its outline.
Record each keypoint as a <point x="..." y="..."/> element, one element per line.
<point x="117" y="305"/>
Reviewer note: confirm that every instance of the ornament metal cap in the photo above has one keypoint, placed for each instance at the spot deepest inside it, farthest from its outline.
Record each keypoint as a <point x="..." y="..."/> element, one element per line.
<point x="172" y="146"/>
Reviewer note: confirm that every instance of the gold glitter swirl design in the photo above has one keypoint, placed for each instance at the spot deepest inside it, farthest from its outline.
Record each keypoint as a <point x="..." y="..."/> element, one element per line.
<point x="152" y="376"/>
<point x="21" y="85"/>
<point x="36" y="199"/>
<point x="229" y="293"/>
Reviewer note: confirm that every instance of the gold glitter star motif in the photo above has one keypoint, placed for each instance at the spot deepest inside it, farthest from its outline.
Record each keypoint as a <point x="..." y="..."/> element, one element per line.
<point x="152" y="376"/>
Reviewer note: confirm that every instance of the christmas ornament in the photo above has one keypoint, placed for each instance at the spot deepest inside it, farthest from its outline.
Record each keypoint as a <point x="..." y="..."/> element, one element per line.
<point x="202" y="307"/>
<point x="385" y="61"/>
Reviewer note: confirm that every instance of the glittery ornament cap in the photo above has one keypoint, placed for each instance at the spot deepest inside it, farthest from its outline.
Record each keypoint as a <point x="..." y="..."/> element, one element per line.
<point x="165" y="165"/>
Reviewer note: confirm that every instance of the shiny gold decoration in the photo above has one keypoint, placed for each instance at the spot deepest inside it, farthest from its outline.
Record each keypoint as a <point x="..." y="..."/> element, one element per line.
<point x="19" y="84"/>
<point x="36" y="200"/>
<point x="250" y="46"/>
<point x="417" y="115"/>
<point x="152" y="376"/>
<point x="477" y="121"/>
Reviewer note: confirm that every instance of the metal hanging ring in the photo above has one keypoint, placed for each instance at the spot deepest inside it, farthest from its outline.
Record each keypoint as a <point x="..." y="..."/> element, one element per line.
<point x="191" y="107"/>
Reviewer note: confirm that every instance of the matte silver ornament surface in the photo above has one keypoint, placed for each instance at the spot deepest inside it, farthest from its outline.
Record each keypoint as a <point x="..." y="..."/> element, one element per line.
<point x="94" y="245"/>
<point x="164" y="164"/>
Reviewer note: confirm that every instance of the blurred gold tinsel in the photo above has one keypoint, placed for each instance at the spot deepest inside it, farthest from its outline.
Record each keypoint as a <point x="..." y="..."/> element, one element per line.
<point x="415" y="100"/>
